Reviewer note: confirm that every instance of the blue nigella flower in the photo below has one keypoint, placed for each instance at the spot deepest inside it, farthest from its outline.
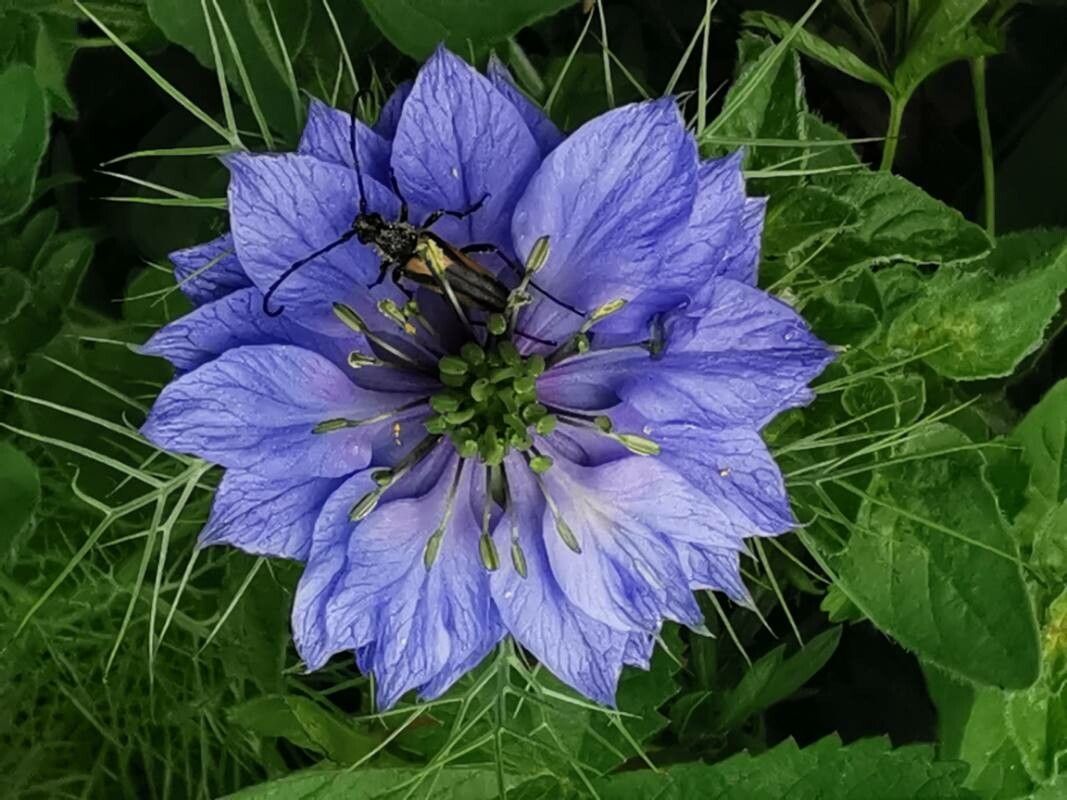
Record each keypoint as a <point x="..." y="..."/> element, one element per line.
<point x="557" y="439"/>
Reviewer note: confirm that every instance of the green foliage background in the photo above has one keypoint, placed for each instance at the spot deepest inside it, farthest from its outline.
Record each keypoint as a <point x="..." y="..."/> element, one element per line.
<point x="910" y="639"/>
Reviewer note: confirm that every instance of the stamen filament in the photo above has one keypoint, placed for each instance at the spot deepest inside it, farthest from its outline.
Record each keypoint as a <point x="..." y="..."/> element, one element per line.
<point x="349" y="317"/>
<point x="433" y="544"/>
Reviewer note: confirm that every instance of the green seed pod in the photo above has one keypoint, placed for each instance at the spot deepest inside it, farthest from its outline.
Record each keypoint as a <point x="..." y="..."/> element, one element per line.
<point x="444" y="403"/>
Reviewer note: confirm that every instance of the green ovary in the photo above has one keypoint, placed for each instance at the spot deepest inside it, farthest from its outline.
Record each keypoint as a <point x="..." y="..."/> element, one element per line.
<point x="490" y="403"/>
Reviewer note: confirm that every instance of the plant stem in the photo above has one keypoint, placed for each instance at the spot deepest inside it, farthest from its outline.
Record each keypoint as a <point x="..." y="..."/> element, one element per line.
<point x="892" y="134"/>
<point x="985" y="136"/>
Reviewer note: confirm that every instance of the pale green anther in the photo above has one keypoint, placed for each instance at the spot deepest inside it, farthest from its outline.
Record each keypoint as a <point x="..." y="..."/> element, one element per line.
<point x="392" y="311"/>
<point x="432" y="546"/>
<point x="488" y="552"/>
<point x="436" y="425"/>
<point x="535" y="365"/>
<point x="605" y="310"/>
<point x="581" y="343"/>
<point x="638" y="444"/>
<point x="541" y="464"/>
<point x="468" y="448"/>
<point x="509" y="353"/>
<point x="444" y="403"/>
<point x="366" y="504"/>
<point x="349" y="317"/>
<point x="472" y="353"/>
<point x="382" y="477"/>
<point x="538" y="255"/>
<point x="450" y="365"/>
<point x="496" y="324"/>
<point x="331" y="425"/>
<point x="460" y="416"/>
<point x="604" y="423"/>
<point x="546" y="425"/>
<point x="453" y="381"/>
<point x="524" y="385"/>
<point x="502" y="374"/>
<point x="358" y="360"/>
<point x="567" y="535"/>
<point x="480" y="390"/>
<point x="533" y="412"/>
<point x="518" y="559"/>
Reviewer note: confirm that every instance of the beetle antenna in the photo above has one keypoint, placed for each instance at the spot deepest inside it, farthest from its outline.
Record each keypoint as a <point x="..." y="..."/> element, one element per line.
<point x="297" y="265"/>
<point x="352" y="146"/>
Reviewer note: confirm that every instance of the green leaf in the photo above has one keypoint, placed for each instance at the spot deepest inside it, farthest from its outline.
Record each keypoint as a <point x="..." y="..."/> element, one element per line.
<point x="804" y="215"/>
<point x="842" y="154"/>
<point x="898" y="221"/>
<point x="990" y="315"/>
<point x="771" y="679"/>
<point x="417" y="26"/>
<point x="1042" y="522"/>
<point x="182" y="21"/>
<point x="816" y="47"/>
<point x="23" y="137"/>
<point x="307" y="724"/>
<point x="929" y="561"/>
<point x="20" y="491"/>
<point x="942" y="33"/>
<point x="892" y="401"/>
<point x="864" y="770"/>
<point x="453" y="783"/>
<point x="14" y="293"/>
<point x="766" y="101"/>
<point x="846" y="312"/>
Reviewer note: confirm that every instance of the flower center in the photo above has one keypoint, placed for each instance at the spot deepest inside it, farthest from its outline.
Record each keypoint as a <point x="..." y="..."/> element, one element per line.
<point x="490" y="403"/>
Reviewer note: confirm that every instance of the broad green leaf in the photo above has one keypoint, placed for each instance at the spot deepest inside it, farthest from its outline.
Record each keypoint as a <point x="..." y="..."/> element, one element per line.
<point x="20" y="491"/>
<point x="804" y="215"/>
<point x="249" y="20"/>
<point x="841" y="154"/>
<point x="887" y="403"/>
<point x="989" y="315"/>
<point x="23" y="137"/>
<point x="943" y="32"/>
<point x="898" y="221"/>
<point x="865" y="770"/>
<point x="451" y="783"/>
<point x="773" y="105"/>
<point x="15" y="293"/>
<point x="307" y="724"/>
<point x="931" y="563"/>
<point x="840" y="58"/>
<point x="1042" y="522"/>
<point x="846" y="312"/>
<point x="771" y="679"/>
<point x="417" y="26"/>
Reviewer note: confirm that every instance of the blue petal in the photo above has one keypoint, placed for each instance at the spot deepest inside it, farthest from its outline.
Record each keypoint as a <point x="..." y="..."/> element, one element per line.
<point x="327" y="137"/>
<point x="254" y="407"/>
<point x="209" y="271"/>
<point x="389" y="117"/>
<point x="624" y="515"/>
<point x="582" y="652"/>
<point x="544" y="130"/>
<point x="266" y="516"/>
<point x="715" y="568"/>
<point x="235" y="320"/>
<point x="415" y="628"/>
<point x="285" y="207"/>
<point x="459" y="139"/>
<point x="744" y="360"/>
<point x="722" y="237"/>
<point x="607" y="198"/>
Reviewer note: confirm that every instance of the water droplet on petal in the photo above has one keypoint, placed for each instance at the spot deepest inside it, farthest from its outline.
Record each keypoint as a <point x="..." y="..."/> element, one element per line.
<point x="455" y="172"/>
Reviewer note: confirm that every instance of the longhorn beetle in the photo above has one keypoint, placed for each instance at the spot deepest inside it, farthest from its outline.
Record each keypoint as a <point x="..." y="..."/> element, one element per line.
<point x="401" y="245"/>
